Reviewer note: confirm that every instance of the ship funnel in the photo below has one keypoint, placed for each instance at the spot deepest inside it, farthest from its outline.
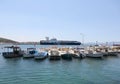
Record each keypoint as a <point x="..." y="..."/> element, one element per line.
<point x="47" y="38"/>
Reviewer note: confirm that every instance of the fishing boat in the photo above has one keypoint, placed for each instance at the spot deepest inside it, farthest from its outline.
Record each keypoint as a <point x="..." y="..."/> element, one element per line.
<point x="40" y="55"/>
<point x="54" y="55"/>
<point x="79" y="54"/>
<point x="12" y="51"/>
<point x="95" y="51"/>
<point x="67" y="55"/>
<point x="112" y="53"/>
<point x="95" y="54"/>
<point x="30" y="53"/>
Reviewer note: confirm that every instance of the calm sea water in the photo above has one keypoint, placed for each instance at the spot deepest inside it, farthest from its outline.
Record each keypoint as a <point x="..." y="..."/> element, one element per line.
<point x="84" y="71"/>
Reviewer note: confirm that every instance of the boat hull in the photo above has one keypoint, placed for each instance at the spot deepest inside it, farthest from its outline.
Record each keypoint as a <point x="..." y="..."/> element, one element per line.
<point x="54" y="57"/>
<point x="97" y="55"/>
<point x="39" y="58"/>
<point x="67" y="56"/>
<point x="11" y="55"/>
<point x="28" y="56"/>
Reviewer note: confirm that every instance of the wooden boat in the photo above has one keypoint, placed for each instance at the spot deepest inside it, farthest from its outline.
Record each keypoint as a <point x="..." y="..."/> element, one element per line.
<point x="30" y="53"/>
<point x="40" y="55"/>
<point x="12" y="51"/>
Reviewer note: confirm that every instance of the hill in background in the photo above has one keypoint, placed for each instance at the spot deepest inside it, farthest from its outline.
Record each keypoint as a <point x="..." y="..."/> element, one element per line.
<point x="4" y="40"/>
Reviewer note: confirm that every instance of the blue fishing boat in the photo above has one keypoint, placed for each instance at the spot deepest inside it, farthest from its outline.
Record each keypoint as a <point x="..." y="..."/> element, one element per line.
<point x="40" y="55"/>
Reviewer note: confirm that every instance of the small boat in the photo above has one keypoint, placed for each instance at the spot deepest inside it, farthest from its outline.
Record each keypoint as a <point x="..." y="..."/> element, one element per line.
<point x="54" y="55"/>
<point x="67" y="56"/>
<point x="12" y="51"/>
<point x="40" y="55"/>
<point x="79" y="54"/>
<point x="30" y="53"/>
<point x="95" y="54"/>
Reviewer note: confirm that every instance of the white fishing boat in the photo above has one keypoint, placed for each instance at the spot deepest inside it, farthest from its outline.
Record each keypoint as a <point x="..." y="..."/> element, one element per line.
<point x="54" y="55"/>
<point x="30" y="53"/>
<point x="79" y="54"/>
<point x="95" y="54"/>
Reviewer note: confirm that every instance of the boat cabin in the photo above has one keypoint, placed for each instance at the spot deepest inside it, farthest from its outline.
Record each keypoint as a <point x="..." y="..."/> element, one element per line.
<point x="12" y="51"/>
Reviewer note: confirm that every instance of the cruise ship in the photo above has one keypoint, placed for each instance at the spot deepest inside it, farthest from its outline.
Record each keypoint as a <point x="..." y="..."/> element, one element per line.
<point x="54" y="41"/>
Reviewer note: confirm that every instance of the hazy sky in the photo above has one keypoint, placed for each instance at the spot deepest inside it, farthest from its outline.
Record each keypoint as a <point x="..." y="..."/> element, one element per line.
<point x="32" y="20"/>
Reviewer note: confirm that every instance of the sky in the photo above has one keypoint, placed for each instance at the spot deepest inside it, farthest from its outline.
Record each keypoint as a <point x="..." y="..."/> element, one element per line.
<point x="33" y="20"/>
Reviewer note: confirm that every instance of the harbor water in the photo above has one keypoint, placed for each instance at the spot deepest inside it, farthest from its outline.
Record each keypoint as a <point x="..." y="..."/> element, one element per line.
<point x="76" y="71"/>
